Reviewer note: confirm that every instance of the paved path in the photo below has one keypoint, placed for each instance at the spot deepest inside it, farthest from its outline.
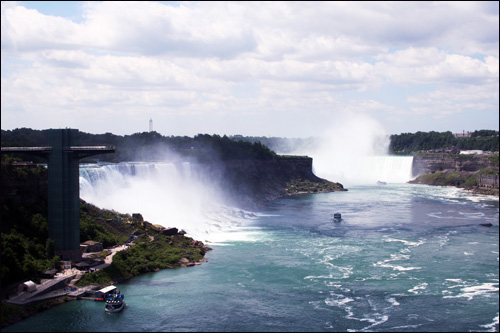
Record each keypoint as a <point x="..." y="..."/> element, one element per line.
<point x="72" y="275"/>
<point x="109" y="258"/>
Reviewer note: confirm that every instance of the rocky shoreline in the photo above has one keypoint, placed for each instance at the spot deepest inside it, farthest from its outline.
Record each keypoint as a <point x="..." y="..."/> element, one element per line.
<point x="475" y="173"/>
<point x="461" y="179"/>
<point x="12" y="313"/>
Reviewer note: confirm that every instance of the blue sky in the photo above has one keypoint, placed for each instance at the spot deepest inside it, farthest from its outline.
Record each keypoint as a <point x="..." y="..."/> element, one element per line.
<point x="291" y="69"/>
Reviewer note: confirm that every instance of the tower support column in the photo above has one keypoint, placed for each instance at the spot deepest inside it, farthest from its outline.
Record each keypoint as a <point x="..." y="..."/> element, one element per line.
<point x="64" y="194"/>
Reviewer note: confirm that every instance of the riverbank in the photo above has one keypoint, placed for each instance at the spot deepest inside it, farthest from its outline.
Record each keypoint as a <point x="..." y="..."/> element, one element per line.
<point x="166" y="248"/>
<point x="460" y="179"/>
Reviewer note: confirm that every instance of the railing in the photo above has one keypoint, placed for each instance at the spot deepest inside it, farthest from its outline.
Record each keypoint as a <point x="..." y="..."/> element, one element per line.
<point x="26" y="149"/>
<point x="49" y="149"/>
<point x="87" y="148"/>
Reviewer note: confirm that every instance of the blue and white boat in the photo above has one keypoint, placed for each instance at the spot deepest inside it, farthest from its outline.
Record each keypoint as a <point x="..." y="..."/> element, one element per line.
<point x="115" y="302"/>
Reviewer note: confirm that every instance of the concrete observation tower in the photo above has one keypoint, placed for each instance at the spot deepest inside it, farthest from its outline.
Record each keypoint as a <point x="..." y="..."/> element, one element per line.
<point x="63" y="157"/>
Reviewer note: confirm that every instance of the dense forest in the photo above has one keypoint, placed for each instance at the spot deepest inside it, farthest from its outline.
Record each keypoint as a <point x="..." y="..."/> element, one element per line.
<point x="150" y="146"/>
<point x="26" y="249"/>
<point x="407" y="143"/>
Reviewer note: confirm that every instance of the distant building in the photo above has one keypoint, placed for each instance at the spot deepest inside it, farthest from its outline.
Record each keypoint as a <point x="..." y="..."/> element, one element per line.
<point x="91" y="246"/>
<point x="490" y="181"/>
<point x="464" y="134"/>
<point x="28" y="286"/>
<point x="471" y="152"/>
<point x="449" y="150"/>
<point x="150" y="125"/>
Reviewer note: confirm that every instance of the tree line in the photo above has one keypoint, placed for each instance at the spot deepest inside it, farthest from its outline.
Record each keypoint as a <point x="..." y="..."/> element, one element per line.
<point x="407" y="143"/>
<point x="149" y="146"/>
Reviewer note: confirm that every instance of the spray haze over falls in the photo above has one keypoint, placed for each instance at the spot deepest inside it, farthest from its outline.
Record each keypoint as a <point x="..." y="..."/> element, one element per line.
<point x="183" y="195"/>
<point x="172" y="195"/>
<point x="354" y="151"/>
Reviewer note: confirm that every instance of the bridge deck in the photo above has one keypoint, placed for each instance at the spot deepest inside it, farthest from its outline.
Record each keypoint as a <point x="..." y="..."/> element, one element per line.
<point x="26" y="149"/>
<point x="81" y="151"/>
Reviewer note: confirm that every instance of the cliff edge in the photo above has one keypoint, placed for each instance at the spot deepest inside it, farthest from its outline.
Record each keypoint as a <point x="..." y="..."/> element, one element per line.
<point x="253" y="182"/>
<point x="478" y="173"/>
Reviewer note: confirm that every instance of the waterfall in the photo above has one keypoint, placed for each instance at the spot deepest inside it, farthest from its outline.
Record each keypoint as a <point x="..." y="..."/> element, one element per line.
<point x="354" y="151"/>
<point x="364" y="170"/>
<point x="172" y="195"/>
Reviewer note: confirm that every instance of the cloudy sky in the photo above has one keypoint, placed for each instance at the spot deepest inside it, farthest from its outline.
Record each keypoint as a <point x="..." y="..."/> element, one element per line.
<point x="291" y="69"/>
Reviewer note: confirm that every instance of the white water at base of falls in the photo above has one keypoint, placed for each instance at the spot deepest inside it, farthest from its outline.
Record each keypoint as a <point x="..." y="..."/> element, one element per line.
<point x="171" y="195"/>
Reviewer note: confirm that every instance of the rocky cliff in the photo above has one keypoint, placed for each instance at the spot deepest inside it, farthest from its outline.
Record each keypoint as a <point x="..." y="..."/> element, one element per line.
<point x="252" y="182"/>
<point x="431" y="163"/>
<point x="478" y="173"/>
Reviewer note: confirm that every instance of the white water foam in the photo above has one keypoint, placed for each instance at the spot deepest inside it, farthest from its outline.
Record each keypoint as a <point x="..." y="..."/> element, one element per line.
<point x="171" y="195"/>
<point x="471" y="291"/>
<point x="492" y="327"/>
<point x="419" y="288"/>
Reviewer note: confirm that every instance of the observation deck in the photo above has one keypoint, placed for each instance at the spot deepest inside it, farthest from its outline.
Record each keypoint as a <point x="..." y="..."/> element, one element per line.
<point x="64" y="186"/>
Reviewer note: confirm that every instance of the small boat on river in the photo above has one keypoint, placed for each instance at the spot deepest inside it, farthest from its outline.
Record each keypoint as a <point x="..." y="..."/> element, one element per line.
<point x="337" y="217"/>
<point x="115" y="302"/>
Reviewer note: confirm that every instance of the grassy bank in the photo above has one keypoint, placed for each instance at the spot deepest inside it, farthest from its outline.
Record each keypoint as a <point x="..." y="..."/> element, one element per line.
<point x="465" y="180"/>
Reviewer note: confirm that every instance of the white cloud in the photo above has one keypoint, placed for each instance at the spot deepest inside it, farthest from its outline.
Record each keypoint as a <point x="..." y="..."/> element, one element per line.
<point x="250" y="59"/>
<point x="430" y="65"/>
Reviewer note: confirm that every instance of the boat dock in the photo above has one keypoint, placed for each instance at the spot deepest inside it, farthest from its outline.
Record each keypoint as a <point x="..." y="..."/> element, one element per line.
<point x="50" y="289"/>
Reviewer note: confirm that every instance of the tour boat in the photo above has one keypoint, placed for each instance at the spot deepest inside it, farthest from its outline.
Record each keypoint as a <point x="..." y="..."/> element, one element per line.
<point x="115" y="302"/>
<point x="337" y="217"/>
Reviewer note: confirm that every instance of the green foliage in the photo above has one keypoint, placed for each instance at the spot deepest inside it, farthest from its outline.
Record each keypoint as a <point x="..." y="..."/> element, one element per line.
<point x="101" y="277"/>
<point x="494" y="159"/>
<point x="304" y="186"/>
<point x="408" y="143"/>
<point x="151" y="146"/>
<point x="22" y="257"/>
<point x="103" y="226"/>
<point x="223" y="148"/>
<point x="484" y="133"/>
<point x="447" y="178"/>
<point x="146" y="256"/>
<point x="470" y="182"/>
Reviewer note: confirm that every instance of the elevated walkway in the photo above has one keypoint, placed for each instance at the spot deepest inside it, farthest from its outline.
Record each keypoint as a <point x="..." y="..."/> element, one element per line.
<point x="43" y="291"/>
<point x="53" y="288"/>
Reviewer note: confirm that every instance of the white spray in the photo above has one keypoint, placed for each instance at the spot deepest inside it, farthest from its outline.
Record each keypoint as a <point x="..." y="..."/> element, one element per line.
<point x="171" y="195"/>
<point x="354" y="151"/>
